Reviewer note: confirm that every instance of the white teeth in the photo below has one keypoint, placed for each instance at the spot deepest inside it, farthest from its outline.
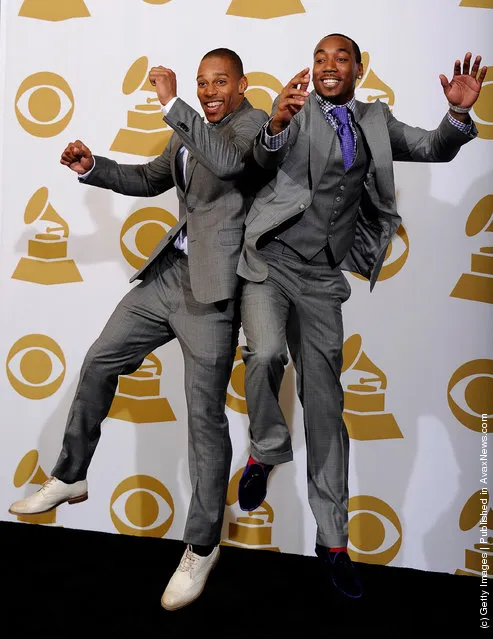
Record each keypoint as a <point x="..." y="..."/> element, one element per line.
<point x="213" y="104"/>
<point x="330" y="83"/>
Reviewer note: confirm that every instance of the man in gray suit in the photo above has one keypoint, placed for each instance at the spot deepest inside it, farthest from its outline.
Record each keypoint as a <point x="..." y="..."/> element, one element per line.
<point x="189" y="290"/>
<point x="330" y="206"/>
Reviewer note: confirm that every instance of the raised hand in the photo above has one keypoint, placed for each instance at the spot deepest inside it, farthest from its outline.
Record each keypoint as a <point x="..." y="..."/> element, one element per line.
<point x="463" y="89"/>
<point x="165" y="82"/>
<point x="78" y="157"/>
<point x="291" y="100"/>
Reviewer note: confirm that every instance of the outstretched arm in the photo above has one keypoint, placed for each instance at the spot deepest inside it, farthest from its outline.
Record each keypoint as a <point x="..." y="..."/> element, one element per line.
<point x="225" y="156"/>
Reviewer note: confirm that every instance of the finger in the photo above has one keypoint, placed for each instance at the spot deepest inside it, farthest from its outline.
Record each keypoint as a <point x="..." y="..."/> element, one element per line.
<point x="457" y="70"/>
<point x="475" y="66"/>
<point x="482" y="75"/>
<point x="467" y="62"/>
<point x="293" y="102"/>
<point x="443" y="80"/>
<point x="299" y="77"/>
<point x="80" y="149"/>
<point x="69" y="156"/>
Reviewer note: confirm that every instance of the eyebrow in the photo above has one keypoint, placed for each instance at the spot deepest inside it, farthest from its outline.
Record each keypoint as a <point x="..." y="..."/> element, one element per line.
<point x="216" y="75"/>
<point x="340" y="49"/>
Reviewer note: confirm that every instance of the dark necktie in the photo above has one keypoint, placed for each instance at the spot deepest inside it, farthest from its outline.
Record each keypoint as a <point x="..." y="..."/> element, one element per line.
<point x="345" y="134"/>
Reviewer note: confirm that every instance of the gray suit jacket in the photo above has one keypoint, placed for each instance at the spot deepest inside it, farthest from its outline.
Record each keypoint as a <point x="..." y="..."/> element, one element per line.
<point x="214" y="201"/>
<point x="297" y="169"/>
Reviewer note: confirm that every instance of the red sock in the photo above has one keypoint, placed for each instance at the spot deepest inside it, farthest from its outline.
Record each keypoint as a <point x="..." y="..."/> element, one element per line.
<point x="252" y="461"/>
<point x="338" y="549"/>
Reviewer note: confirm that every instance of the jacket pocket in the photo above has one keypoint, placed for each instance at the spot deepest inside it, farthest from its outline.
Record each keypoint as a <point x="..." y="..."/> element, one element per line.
<point x="230" y="236"/>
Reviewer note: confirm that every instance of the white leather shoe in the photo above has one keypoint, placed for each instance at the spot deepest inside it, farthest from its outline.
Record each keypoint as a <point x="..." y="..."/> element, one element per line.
<point x="51" y="494"/>
<point x="189" y="579"/>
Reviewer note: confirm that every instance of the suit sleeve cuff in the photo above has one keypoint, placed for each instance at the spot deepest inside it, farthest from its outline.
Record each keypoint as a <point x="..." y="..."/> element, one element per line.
<point x="274" y="142"/>
<point x="167" y="107"/>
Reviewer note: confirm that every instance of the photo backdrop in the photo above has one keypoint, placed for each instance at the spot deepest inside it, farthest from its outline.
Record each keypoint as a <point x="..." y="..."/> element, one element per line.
<point x="418" y="352"/>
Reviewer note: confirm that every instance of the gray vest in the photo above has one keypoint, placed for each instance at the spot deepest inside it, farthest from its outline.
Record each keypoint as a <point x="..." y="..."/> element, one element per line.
<point x="330" y="220"/>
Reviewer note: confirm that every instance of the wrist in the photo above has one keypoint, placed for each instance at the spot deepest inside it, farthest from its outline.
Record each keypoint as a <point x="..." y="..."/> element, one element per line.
<point x="276" y="127"/>
<point x="458" y="109"/>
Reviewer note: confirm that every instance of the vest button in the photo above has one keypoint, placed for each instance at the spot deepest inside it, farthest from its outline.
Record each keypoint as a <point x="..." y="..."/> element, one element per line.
<point x="302" y="207"/>
<point x="342" y="187"/>
<point x="338" y="198"/>
<point x="190" y="209"/>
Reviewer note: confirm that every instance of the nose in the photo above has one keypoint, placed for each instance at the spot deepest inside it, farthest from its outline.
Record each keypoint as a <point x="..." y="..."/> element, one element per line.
<point x="211" y="90"/>
<point x="330" y="64"/>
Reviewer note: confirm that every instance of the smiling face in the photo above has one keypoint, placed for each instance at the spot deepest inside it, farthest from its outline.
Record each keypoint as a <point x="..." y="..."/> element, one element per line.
<point x="220" y="88"/>
<point x="335" y="69"/>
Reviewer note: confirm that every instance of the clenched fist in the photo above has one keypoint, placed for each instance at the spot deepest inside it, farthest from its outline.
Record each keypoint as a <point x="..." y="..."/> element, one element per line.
<point x="78" y="157"/>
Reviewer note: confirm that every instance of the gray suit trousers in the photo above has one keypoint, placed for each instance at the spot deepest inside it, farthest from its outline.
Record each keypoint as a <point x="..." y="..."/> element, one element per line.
<point x="299" y="306"/>
<point x="154" y="312"/>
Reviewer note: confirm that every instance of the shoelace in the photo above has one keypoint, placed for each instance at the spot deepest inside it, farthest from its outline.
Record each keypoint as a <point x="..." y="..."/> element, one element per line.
<point x="188" y="562"/>
<point x="47" y="483"/>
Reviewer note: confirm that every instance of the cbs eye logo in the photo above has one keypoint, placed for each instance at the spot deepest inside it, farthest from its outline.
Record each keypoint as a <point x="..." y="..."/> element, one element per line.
<point x="235" y="397"/>
<point x="35" y="366"/>
<point x="470" y="393"/>
<point x="44" y="104"/>
<point x="262" y="90"/>
<point x="141" y="505"/>
<point x="395" y="257"/>
<point x="375" y="532"/>
<point x="142" y="231"/>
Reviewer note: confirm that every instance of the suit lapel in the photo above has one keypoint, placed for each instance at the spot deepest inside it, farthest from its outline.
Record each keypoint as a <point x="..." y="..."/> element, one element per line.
<point x="322" y="136"/>
<point x="366" y="116"/>
<point x="191" y="164"/>
<point x="175" y="171"/>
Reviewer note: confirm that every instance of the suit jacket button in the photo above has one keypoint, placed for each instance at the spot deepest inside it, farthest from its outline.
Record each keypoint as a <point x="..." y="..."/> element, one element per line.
<point x="302" y="207"/>
<point x="190" y="209"/>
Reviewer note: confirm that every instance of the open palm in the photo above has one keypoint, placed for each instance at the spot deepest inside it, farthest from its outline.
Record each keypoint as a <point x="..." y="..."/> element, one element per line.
<point x="464" y="88"/>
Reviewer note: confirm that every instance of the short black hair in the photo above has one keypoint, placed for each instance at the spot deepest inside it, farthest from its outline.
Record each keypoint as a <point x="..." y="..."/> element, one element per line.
<point x="222" y="52"/>
<point x="356" y="49"/>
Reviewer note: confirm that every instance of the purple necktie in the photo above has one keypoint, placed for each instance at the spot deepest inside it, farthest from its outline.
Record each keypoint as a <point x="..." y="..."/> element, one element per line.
<point x="345" y="134"/>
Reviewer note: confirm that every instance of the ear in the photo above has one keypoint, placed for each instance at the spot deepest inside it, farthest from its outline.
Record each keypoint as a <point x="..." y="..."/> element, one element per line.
<point x="359" y="70"/>
<point x="243" y="85"/>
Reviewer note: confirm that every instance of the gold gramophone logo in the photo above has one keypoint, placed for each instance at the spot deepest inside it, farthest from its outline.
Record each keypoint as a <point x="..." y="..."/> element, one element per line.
<point x="482" y="111"/>
<point x="156" y="1"/>
<point x="137" y="399"/>
<point x="30" y="472"/>
<point x="478" y="284"/>
<point x="263" y="89"/>
<point x="143" y="506"/>
<point x="44" y="104"/>
<point x="371" y="87"/>
<point x="477" y="514"/>
<point x="263" y="9"/>
<point x="235" y="396"/>
<point x="252" y="529"/>
<point x="36" y="366"/>
<point x="395" y="257"/>
<point x="470" y="394"/>
<point x="146" y="132"/>
<point x="142" y="231"/>
<point x="364" y="395"/>
<point x="374" y="530"/>
<point x="46" y="261"/>
<point x="478" y="4"/>
<point x="54" y="10"/>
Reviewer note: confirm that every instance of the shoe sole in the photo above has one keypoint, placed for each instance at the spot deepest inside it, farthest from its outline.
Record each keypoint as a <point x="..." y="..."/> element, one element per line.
<point x="171" y="608"/>
<point x="72" y="500"/>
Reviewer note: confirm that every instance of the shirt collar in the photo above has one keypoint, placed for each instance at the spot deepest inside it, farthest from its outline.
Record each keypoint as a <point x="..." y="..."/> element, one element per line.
<point x="327" y="105"/>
